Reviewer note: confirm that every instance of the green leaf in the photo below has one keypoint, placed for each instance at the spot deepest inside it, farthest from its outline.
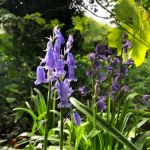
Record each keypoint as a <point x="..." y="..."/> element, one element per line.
<point x="93" y="133"/>
<point x="40" y="20"/>
<point x="34" y="117"/>
<point x="114" y="38"/>
<point x="103" y="124"/>
<point x="141" y="140"/>
<point x="40" y="102"/>
<point x="58" y="129"/>
<point x="134" y="20"/>
<point x="35" y="17"/>
<point x="80" y="132"/>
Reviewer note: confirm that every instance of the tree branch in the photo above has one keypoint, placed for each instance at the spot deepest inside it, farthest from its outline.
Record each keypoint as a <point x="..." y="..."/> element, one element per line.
<point x="94" y="13"/>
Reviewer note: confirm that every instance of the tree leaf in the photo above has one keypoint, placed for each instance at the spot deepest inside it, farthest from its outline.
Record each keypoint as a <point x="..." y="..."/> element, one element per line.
<point x="114" y="39"/>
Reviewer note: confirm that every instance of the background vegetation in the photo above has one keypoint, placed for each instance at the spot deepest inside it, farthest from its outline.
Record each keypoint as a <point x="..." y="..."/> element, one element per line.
<point x="23" y="28"/>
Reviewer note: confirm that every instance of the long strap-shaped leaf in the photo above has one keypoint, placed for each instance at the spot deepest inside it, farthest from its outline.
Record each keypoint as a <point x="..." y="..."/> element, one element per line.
<point x="103" y="124"/>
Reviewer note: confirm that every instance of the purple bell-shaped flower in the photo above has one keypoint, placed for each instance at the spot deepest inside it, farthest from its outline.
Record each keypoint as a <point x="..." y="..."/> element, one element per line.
<point x="77" y="119"/>
<point x="50" y="60"/>
<point x="70" y="60"/>
<point x="64" y="91"/>
<point x="69" y="42"/>
<point x="101" y="103"/>
<point x="59" y="40"/>
<point x="71" y="73"/>
<point x="40" y="76"/>
<point x="60" y="68"/>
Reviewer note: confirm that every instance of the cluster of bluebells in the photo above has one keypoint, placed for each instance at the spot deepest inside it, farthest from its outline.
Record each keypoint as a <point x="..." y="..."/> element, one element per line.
<point x="55" y="63"/>
<point x="108" y="67"/>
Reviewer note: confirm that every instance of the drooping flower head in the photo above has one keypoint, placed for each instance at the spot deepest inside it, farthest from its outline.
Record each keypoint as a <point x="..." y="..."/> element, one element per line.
<point x="58" y="42"/>
<point x="58" y="35"/>
<point x="40" y="76"/>
<point x="70" y="60"/>
<point x="71" y="73"/>
<point x="59" y="70"/>
<point x="102" y="103"/>
<point x="50" y="60"/>
<point x="83" y="90"/>
<point x="69" y="42"/>
<point x="64" y="91"/>
<point x="77" y="119"/>
<point x="115" y="87"/>
<point x="92" y="57"/>
<point x="89" y="73"/>
<point x="126" y="46"/>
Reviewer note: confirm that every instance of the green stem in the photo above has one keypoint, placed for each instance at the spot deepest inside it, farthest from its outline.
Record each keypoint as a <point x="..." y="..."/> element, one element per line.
<point x="94" y="111"/>
<point x="94" y="119"/>
<point x="61" y="128"/>
<point x="108" y="101"/>
<point x="109" y="113"/>
<point x="94" y="106"/>
<point x="47" y="115"/>
<point x="54" y="108"/>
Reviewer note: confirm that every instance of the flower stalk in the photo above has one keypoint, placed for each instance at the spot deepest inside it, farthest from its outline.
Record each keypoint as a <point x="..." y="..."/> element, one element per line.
<point x="94" y="105"/>
<point x="47" y="115"/>
<point x="54" y="107"/>
<point x="61" y="128"/>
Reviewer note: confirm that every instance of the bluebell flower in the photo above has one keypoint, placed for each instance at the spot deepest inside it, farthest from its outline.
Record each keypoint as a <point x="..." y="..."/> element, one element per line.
<point x="69" y="42"/>
<point x="145" y="97"/>
<point x="60" y="68"/>
<point x="77" y="119"/>
<point x="102" y="103"/>
<point x="101" y="78"/>
<point x="145" y="100"/>
<point x="57" y="48"/>
<point x="109" y="69"/>
<point x="108" y="51"/>
<point x="89" y="73"/>
<point x="115" y="87"/>
<point x="116" y="61"/>
<point x="129" y="62"/>
<point x="50" y="60"/>
<point x="58" y="42"/>
<point x="40" y="76"/>
<point x="126" y="45"/>
<point x="83" y="90"/>
<point x="101" y="56"/>
<point x="71" y="73"/>
<point x="58" y="35"/>
<point x="70" y="60"/>
<point x="92" y="56"/>
<point x="64" y="91"/>
<point x="96" y="64"/>
<point x="126" y="88"/>
<point x="124" y="70"/>
<point x="49" y="44"/>
<point x="55" y="63"/>
<point x="98" y="47"/>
